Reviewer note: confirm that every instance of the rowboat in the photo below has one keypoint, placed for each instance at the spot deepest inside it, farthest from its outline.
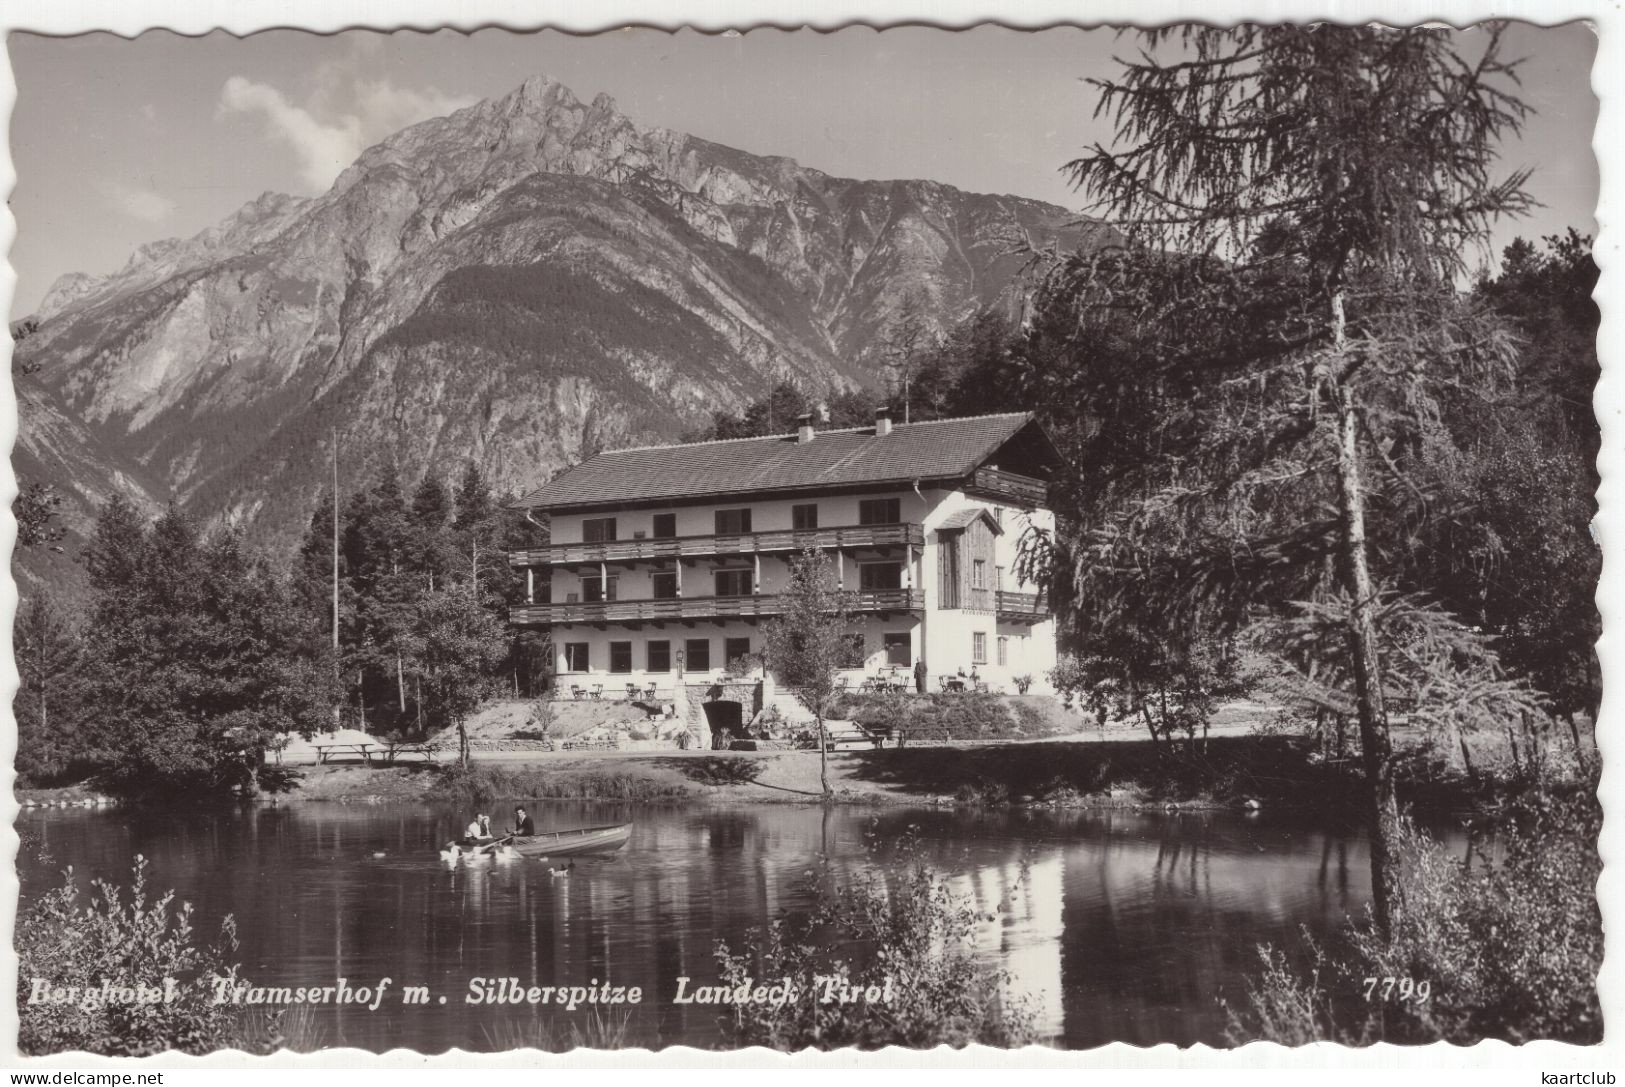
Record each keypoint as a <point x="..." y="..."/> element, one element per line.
<point x="569" y="843"/>
<point x="557" y="843"/>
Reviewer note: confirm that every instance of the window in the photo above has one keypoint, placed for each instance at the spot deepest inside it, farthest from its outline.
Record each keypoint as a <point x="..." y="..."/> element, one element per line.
<point x="598" y="530"/>
<point x="735" y="648"/>
<point x="664" y="585"/>
<point x="978" y="574"/>
<point x="978" y="648"/>
<point x="804" y="518"/>
<point x="665" y="526"/>
<point x="998" y="578"/>
<point x="948" y="571"/>
<point x="659" y="656"/>
<point x="575" y="657"/>
<point x="620" y="656"/>
<point x="733" y="582"/>
<point x="697" y="655"/>
<point x="897" y="649"/>
<point x="733" y="522"/>
<point x="880" y="575"/>
<point x="852" y="650"/>
<point x="593" y="590"/>
<point x="880" y="511"/>
<point x="1004" y="651"/>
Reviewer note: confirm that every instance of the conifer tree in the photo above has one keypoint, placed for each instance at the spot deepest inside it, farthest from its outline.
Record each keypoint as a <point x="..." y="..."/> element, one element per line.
<point x="1298" y="200"/>
<point x="49" y="705"/>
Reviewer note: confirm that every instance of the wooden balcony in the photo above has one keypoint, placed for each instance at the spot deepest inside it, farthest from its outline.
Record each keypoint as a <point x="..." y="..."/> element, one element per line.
<point x="684" y="609"/>
<point x="830" y="539"/>
<point x="1023" y="491"/>
<point x="1022" y="607"/>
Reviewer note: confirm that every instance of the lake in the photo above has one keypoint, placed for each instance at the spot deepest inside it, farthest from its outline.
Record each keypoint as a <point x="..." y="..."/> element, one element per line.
<point x="1121" y="926"/>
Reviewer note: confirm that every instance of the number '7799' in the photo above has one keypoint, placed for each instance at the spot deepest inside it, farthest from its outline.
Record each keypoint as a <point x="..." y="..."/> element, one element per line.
<point x="1401" y="989"/>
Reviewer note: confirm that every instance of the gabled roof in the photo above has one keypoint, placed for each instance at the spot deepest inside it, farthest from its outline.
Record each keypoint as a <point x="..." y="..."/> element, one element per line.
<point x="964" y="518"/>
<point x="918" y="452"/>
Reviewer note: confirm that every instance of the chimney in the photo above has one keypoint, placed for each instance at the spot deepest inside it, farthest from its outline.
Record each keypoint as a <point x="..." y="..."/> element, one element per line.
<point x="882" y="422"/>
<point x="804" y="429"/>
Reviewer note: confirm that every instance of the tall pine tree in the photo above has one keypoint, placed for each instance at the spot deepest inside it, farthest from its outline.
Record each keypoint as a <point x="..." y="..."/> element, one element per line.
<point x="1316" y="185"/>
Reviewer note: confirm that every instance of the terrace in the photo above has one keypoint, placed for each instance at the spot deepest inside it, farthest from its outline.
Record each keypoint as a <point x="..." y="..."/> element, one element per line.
<point x="685" y="609"/>
<point x="845" y="538"/>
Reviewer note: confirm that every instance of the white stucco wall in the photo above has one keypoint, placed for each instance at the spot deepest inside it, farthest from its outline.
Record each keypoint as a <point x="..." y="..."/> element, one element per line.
<point x="944" y="638"/>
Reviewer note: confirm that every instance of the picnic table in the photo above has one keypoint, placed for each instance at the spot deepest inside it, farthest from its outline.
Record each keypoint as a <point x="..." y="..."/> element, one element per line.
<point x="392" y="748"/>
<point x="388" y="749"/>
<point x="324" y="752"/>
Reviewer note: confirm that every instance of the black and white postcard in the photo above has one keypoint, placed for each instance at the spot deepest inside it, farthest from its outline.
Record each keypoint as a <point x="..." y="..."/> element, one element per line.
<point x="875" y="535"/>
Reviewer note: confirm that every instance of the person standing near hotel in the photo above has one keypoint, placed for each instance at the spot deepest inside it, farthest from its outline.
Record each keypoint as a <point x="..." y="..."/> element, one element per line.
<point x="919" y="675"/>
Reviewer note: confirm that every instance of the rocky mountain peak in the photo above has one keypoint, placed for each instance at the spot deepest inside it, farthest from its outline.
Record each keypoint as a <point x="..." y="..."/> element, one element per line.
<point x="507" y="284"/>
<point x="540" y="93"/>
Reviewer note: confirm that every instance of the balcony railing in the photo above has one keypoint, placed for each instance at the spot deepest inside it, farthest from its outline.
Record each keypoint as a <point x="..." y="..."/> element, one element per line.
<point x="1022" y="607"/>
<point x="1009" y="487"/>
<point x="847" y="537"/>
<point x="701" y="607"/>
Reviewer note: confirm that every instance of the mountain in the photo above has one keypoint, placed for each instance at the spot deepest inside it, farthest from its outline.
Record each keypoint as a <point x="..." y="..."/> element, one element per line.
<point x="53" y="446"/>
<point x="513" y="283"/>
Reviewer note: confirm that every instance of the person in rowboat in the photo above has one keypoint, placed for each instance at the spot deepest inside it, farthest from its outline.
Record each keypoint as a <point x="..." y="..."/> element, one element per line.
<point x="522" y="826"/>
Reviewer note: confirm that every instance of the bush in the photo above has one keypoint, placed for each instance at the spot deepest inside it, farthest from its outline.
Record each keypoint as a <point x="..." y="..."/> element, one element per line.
<point x="129" y="942"/>
<point x="958" y="715"/>
<point x="723" y="770"/>
<point x="482" y="785"/>
<point x="1510" y="949"/>
<point x="917" y="936"/>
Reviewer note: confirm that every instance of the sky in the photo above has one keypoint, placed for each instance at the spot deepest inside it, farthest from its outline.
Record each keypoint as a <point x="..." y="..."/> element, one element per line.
<point x="117" y="142"/>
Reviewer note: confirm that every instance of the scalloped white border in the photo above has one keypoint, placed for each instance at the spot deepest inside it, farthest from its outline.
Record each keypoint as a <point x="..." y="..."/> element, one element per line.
<point x="1521" y="1063"/>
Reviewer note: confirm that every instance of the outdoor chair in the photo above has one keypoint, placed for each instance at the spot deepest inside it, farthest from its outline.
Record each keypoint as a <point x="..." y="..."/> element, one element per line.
<point x="631" y="692"/>
<point x="597" y="690"/>
<point x="576" y="692"/>
<point x="649" y="693"/>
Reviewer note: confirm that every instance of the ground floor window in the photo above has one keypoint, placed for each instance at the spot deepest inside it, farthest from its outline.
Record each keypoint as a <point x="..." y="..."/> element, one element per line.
<point x="697" y="655"/>
<point x="734" y="649"/>
<point x="575" y="657"/>
<point x="852" y="651"/>
<point x="620" y="656"/>
<point x="978" y="648"/>
<point x="660" y="656"/>
<point x="1004" y="651"/>
<point x="897" y="649"/>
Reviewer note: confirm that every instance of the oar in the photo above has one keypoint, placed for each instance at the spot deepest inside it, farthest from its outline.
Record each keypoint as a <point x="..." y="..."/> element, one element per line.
<point x="489" y="847"/>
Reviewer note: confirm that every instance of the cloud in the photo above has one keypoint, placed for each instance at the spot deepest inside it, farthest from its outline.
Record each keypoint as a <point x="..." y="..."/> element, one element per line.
<point x="324" y="148"/>
<point x="138" y="203"/>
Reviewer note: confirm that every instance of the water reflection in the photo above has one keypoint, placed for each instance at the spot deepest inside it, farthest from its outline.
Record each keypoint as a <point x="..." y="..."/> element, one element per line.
<point x="1119" y="926"/>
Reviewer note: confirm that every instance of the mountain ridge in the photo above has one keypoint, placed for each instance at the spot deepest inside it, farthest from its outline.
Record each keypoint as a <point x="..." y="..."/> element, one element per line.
<point x="545" y="274"/>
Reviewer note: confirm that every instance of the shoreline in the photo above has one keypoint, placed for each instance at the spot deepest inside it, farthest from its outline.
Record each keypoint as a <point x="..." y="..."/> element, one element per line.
<point x="1227" y="773"/>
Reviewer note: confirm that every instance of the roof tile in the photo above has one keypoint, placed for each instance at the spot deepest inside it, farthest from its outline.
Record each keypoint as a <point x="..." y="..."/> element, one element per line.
<point x="940" y="449"/>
